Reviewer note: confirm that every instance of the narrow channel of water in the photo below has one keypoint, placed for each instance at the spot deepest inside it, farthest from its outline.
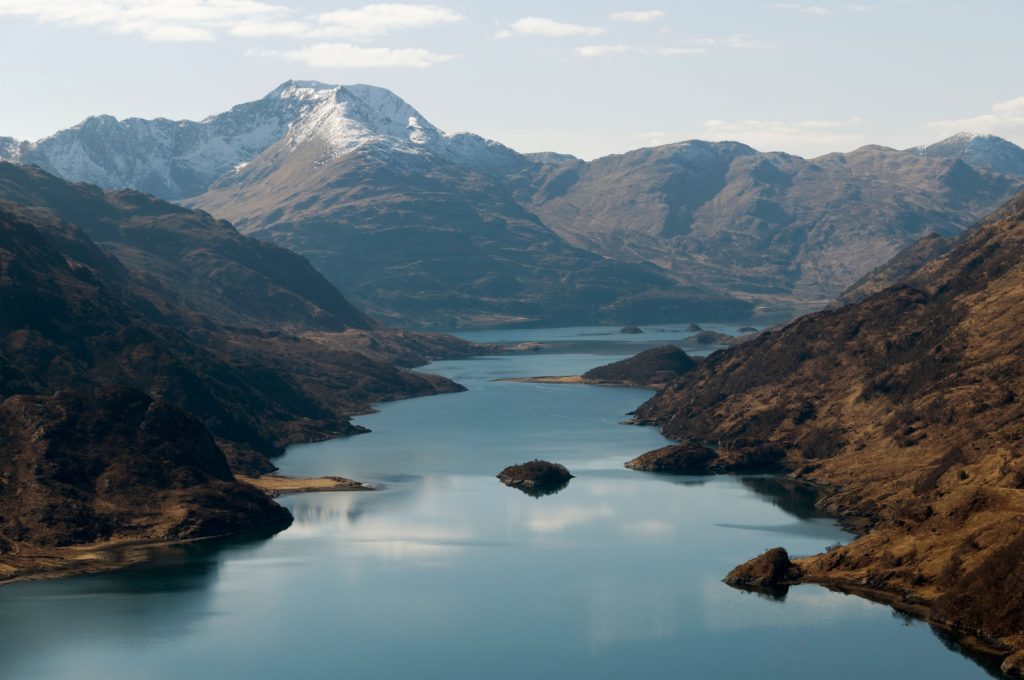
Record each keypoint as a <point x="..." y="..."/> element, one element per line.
<point x="445" y="573"/>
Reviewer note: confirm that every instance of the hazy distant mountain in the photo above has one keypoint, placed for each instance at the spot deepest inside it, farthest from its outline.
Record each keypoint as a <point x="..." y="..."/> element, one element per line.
<point x="10" y="148"/>
<point x="418" y="223"/>
<point x="422" y="225"/>
<point x="767" y="224"/>
<point x="983" y="151"/>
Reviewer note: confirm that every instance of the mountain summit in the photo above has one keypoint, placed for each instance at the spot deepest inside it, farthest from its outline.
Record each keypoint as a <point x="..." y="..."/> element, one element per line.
<point x="179" y="159"/>
<point x="985" y="151"/>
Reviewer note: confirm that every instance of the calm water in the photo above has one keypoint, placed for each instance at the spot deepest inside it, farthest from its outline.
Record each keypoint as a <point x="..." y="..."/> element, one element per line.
<point x="445" y="573"/>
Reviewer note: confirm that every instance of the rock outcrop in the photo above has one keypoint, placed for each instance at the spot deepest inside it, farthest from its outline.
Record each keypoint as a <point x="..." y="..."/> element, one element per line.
<point x="536" y="478"/>
<point x="655" y="366"/>
<point x="770" y="570"/>
<point x="688" y="458"/>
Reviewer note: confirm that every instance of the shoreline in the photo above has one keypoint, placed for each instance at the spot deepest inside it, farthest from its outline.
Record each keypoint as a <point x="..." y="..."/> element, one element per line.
<point x="576" y="380"/>
<point x="275" y="485"/>
<point x="44" y="564"/>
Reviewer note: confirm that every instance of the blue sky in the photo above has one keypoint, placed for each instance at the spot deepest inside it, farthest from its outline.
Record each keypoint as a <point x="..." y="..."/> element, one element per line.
<point x="583" y="77"/>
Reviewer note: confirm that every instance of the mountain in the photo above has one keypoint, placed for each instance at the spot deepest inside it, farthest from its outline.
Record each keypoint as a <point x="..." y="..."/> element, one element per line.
<point x="769" y="225"/>
<point x="205" y="263"/>
<point x="907" y="409"/>
<point x="75" y="316"/>
<point x="114" y="466"/>
<point x="982" y="151"/>
<point x="900" y="269"/>
<point x="426" y="228"/>
<point x="166" y="158"/>
<point x="420" y="225"/>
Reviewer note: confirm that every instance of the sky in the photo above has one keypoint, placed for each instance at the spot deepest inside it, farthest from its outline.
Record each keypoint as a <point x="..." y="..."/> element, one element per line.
<point x="586" y="77"/>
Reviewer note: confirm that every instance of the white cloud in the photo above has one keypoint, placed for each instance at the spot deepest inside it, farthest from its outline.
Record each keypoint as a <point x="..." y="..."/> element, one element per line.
<point x="549" y="28"/>
<point x="861" y="8"/>
<point x="638" y="17"/>
<point x="1005" y="119"/>
<point x="591" y="51"/>
<point x="344" y="55"/>
<point x="204" y="20"/>
<point x="807" y="136"/>
<point x="380" y="19"/>
<point x="156" y="20"/>
<point x="738" y="41"/>
<point x="258" y="28"/>
<point x="817" y="10"/>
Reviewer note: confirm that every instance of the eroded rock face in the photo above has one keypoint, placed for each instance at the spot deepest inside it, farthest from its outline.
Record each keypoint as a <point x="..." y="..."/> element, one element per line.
<point x="768" y="571"/>
<point x="116" y="464"/>
<point x="536" y="478"/>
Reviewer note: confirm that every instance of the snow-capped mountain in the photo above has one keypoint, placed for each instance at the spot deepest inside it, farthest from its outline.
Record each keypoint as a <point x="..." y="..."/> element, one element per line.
<point x="10" y="149"/>
<point x="180" y="159"/>
<point x="984" y="151"/>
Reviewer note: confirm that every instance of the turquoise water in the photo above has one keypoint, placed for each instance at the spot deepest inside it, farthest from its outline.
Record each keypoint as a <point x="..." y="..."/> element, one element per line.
<point x="445" y="573"/>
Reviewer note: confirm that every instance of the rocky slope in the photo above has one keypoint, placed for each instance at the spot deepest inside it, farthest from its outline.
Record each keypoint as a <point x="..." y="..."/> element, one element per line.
<point x="115" y="466"/>
<point x="420" y="225"/>
<point x="900" y="269"/>
<point x="72" y="315"/>
<point x="768" y="225"/>
<point x="983" y="151"/>
<point x="430" y="228"/>
<point x="908" y="407"/>
<point x="204" y="263"/>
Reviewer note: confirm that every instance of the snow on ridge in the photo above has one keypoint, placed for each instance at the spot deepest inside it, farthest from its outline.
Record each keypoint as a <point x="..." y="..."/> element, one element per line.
<point x="179" y="159"/>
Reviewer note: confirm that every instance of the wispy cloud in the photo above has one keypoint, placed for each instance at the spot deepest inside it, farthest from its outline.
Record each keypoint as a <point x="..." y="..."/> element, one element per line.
<point x="205" y="20"/>
<point x="1005" y="119"/>
<point x="548" y="28"/>
<point x="345" y="55"/>
<point x="591" y="51"/>
<point x="818" y="136"/>
<point x="738" y="41"/>
<point x="817" y="10"/>
<point x="638" y="16"/>
<point x="156" y="20"/>
<point x="376" y="20"/>
<point x="861" y="8"/>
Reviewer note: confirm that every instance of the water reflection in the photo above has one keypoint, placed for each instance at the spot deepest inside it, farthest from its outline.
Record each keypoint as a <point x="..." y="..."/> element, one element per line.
<point x="443" y="571"/>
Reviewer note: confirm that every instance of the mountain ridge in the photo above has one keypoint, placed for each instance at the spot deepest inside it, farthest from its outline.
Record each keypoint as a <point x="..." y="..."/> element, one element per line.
<point x="346" y="174"/>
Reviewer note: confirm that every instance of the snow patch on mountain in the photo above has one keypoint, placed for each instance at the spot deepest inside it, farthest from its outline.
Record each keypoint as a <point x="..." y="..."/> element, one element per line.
<point x="180" y="159"/>
<point x="980" y="150"/>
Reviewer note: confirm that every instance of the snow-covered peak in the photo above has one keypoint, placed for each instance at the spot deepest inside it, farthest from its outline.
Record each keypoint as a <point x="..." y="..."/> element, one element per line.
<point x="348" y="117"/>
<point x="10" y="149"/>
<point x="981" y="150"/>
<point x="179" y="159"/>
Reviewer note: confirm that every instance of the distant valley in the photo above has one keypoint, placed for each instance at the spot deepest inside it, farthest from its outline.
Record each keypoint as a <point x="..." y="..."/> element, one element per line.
<point x="425" y="228"/>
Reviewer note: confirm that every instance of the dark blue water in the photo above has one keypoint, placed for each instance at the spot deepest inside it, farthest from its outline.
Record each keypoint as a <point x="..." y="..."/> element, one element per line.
<point x="445" y="573"/>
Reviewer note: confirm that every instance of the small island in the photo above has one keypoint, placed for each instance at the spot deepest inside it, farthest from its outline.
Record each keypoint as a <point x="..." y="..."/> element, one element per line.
<point x="536" y="478"/>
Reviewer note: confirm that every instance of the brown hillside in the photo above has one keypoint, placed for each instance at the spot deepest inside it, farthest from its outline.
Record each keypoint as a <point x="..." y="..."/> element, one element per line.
<point x="909" y="406"/>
